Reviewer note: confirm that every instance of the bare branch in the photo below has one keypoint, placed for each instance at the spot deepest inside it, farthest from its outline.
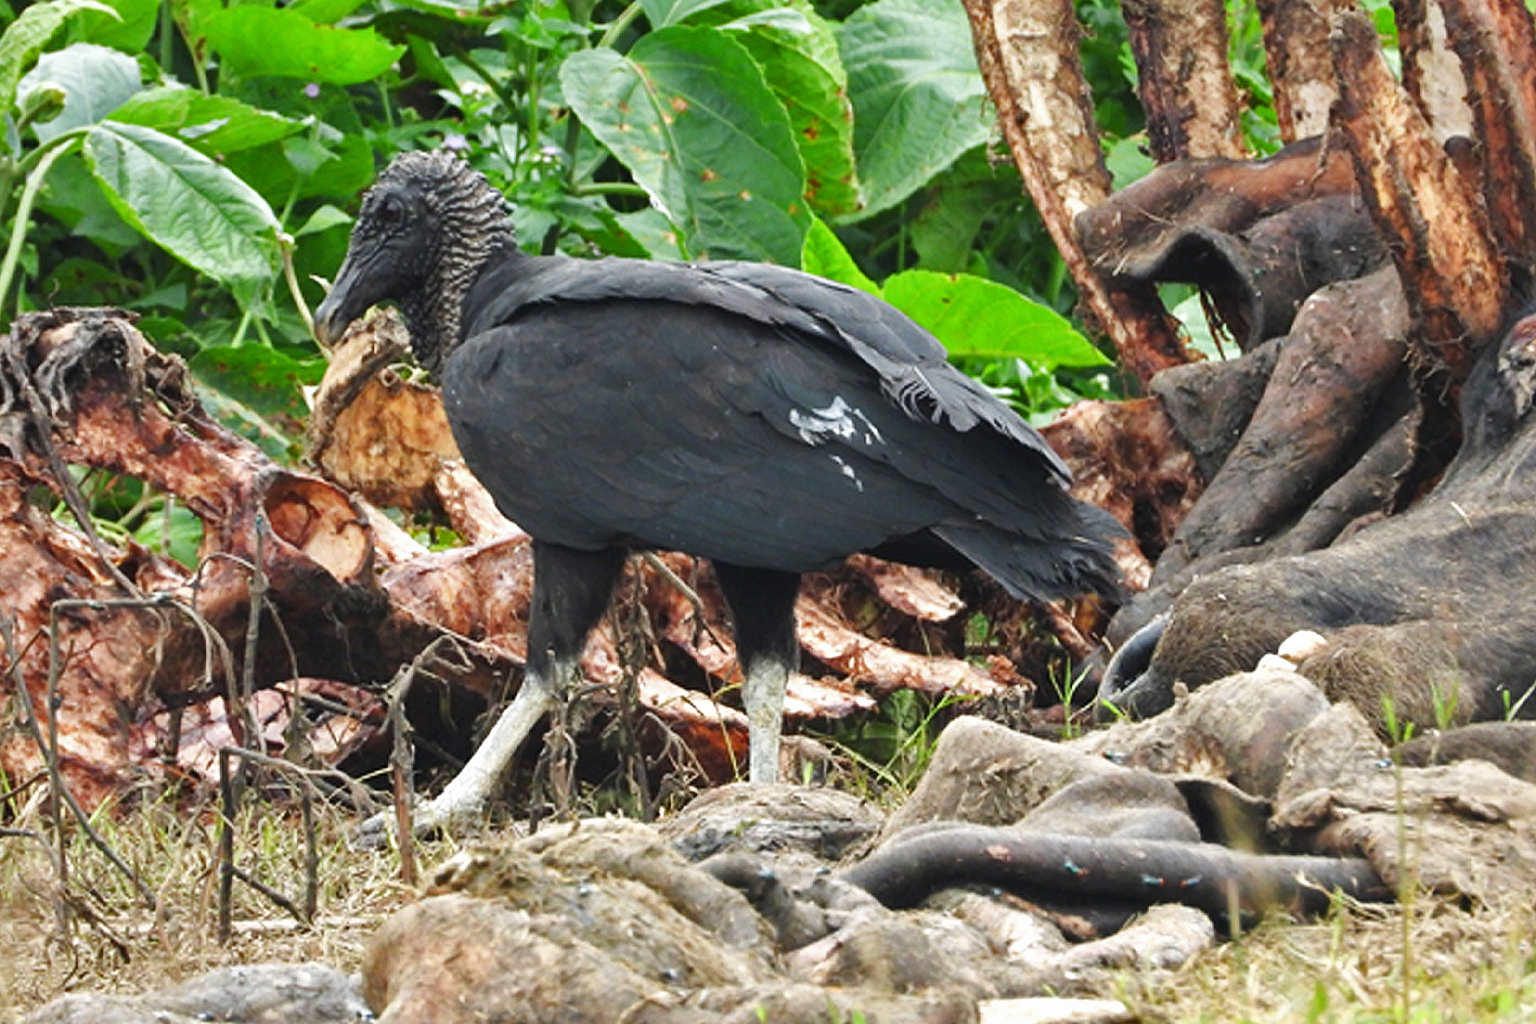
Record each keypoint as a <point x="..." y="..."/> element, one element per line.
<point x="1036" y="82"/>
<point x="1186" y="82"/>
<point x="1439" y="234"/>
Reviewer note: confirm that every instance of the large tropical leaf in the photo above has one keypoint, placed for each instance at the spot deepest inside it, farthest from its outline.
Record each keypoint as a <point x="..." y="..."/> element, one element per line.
<point x="688" y="113"/>
<point x="970" y="315"/>
<point x="211" y="125"/>
<point x="797" y="51"/>
<point x="976" y="317"/>
<point x="268" y="41"/>
<point x="825" y="256"/>
<point x="128" y="29"/>
<point x="187" y="204"/>
<point x="661" y="13"/>
<point x="95" y="80"/>
<point x="918" y="99"/>
<point x="25" y="38"/>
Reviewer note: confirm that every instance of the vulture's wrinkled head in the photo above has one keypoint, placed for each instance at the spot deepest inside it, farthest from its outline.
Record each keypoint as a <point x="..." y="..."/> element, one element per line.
<point x="425" y="230"/>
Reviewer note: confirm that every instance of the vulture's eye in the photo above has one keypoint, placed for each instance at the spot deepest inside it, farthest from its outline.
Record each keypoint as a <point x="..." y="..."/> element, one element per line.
<point x="391" y="210"/>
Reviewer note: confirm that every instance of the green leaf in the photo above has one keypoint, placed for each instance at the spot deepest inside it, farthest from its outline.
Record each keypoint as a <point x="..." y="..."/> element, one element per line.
<point x="976" y="317"/>
<point x="348" y="172"/>
<point x="797" y="52"/>
<point x="187" y="204"/>
<point x="260" y="378"/>
<point x="128" y="29"/>
<point x="25" y="38"/>
<point x="661" y="13"/>
<point x="1128" y="161"/>
<point x="688" y="113"/>
<point x="323" y="219"/>
<point x="325" y="12"/>
<point x="211" y="125"/>
<point x="71" y="196"/>
<point x="596" y="223"/>
<point x="338" y="171"/>
<point x="825" y="256"/>
<point x="651" y="229"/>
<point x="245" y="421"/>
<point x="266" y="41"/>
<point x="954" y="207"/>
<point x="429" y="64"/>
<point x="918" y="99"/>
<point x="96" y="80"/>
<point x="458" y="12"/>
<point x="180" y="533"/>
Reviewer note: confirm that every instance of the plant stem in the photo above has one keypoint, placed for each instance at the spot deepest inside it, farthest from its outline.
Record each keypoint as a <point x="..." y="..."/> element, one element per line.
<point x="44" y="160"/>
<point x="285" y="249"/>
<point x="531" y="143"/>
<point x="389" y="110"/>
<point x="245" y="323"/>
<point x="499" y="88"/>
<point x="7" y="179"/>
<point x="167" y="30"/>
<point x="572" y="142"/>
<point x="618" y="25"/>
<point x="293" y="197"/>
<point x="201" y="73"/>
<point x="609" y="188"/>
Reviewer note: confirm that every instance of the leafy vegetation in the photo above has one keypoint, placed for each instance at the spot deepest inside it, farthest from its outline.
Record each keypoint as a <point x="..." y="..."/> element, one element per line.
<point x="197" y="162"/>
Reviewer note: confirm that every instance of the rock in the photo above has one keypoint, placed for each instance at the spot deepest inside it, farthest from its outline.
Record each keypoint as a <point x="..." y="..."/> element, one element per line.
<point x="251" y="994"/>
<point x="1216" y="731"/>
<point x="1466" y="828"/>
<point x="1050" y="1010"/>
<point x="823" y="823"/>
<point x="987" y="774"/>
<point x="1511" y="746"/>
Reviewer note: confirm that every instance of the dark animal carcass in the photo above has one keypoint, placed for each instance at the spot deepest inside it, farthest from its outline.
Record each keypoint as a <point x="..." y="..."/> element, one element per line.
<point x="1431" y="613"/>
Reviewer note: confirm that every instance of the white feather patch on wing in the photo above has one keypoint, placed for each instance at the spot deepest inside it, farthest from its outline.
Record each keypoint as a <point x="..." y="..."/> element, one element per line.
<point x="837" y="419"/>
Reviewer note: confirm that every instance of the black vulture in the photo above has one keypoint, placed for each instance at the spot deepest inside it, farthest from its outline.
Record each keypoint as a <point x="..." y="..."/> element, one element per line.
<point x="768" y="420"/>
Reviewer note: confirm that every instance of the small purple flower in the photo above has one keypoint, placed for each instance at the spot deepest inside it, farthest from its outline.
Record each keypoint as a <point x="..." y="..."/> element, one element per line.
<point x="312" y="90"/>
<point x="455" y="142"/>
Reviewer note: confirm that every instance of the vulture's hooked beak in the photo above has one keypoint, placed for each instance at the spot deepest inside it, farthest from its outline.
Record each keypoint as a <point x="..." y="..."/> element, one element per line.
<point x="349" y="298"/>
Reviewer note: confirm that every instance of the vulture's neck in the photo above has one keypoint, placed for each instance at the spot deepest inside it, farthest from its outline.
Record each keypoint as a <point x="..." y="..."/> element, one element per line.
<point x="476" y="234"/>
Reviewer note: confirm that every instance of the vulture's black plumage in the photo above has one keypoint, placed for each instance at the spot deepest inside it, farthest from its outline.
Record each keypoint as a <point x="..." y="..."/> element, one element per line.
<point x="771" y="421"/>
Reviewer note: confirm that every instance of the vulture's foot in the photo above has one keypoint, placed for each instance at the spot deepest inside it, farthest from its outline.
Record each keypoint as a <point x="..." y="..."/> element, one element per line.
<point x="464" y="800"/>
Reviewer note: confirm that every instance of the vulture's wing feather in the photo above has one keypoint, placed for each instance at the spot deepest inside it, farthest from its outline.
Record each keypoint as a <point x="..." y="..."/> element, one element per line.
<point x="649" y="422"/>
<point x="910" y="366"/>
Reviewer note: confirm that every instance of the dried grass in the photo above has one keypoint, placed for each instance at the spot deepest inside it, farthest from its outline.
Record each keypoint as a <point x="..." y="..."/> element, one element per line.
<point x="1462" y="965"/>
<point x="120" y="945"/>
